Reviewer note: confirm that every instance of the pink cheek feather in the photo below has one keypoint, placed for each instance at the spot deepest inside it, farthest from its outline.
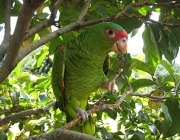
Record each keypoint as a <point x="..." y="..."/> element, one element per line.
<point x="121" y="34"/>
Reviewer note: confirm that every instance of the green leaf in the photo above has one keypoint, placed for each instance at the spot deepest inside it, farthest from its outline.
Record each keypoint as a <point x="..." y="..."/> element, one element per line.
<point x="26" y="96"/>
<point x="41" y="98"/>
<point x="168" y="67"/>
<point x="16" y="8"/>
<point x="174" y="111"/>
<point x="129" y="24"/>
<point x="140" y="83"/>
<point x="140" y="115"/>
<point x="68" y="37"/>
<point x="69" y="13"/>
<point x="102" y="10"/>
<point x="1" y="28"/>
<point x="137" y="135"/>
<point x="143" y="10"/>
<point x="126" y="2"/>
<point x="150" y="48"/>
<point x="134" y="32"/>
<point x="42" y="16"/>
<point x="116" y="135"/>
<point x="112" y="114"/>
<point x="27" y="78"/>
<point x="153" y="128"/>
<point x="145" y="117"/>
<point x="167" y="116"/>
<point x="2" y="135"/>
<point x="2" y="11"/>
<point x="54" y="43"/>
<point x="40" y="57"/>
<point x="176" y="31"/>
<point x="47" y="84"/>
<point x="174" y="45"/>
<point x="137" y="64"/>
<point x="11" y="135"/>
<point x="106" y="134"/>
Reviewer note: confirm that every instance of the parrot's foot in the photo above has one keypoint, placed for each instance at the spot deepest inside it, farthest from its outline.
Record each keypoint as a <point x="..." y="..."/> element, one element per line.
<point x="110" y="84"/>
<point x="82" y="113"/>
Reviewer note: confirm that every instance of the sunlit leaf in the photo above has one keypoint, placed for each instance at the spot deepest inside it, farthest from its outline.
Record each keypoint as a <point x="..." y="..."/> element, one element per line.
<point x="153" y="128"/>
<point x="168" y="67"/>
<point x="150" y="47"/>
<point x="137" y="64"/>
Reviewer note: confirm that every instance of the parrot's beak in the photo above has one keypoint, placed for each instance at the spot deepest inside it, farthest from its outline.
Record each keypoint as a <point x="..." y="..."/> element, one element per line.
<point x="120" y="46"/>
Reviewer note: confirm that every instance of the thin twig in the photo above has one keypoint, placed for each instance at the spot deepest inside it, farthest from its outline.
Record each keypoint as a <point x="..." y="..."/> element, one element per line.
<point x="151" y="21"/>
<point x="172" y="3"/>
<point x="176" y="88"/>
<point x="84" y="11"/>
<point x="148" y="95"/>
<point x="26" y="113"/>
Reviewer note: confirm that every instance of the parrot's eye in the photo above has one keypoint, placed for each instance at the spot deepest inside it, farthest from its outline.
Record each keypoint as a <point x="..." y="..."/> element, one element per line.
<point x="110" y="32"/>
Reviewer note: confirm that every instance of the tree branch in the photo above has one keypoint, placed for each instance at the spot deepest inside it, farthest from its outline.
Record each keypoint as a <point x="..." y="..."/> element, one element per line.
<point x="63" y="134"/>
<point x="20" y="31"/>
<point x="151" y="21"/>
<point x="45" y="23"/>
<point x="65" y="29"/>
<point x="172" y="3"/>
<point x="26" y="113"/>
<point x="148" y="95"/>
<point x="7" y="35"/>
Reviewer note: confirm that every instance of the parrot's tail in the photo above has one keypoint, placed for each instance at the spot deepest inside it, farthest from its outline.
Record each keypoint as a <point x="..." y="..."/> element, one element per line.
<point x="87" y="127"/>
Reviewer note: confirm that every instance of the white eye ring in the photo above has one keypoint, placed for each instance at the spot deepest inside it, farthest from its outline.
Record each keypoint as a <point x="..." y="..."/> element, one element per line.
<point x="111" y="33"/>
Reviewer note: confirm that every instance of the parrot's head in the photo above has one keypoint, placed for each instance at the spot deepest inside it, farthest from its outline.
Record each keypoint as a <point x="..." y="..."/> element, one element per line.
<point x="108" y="36"/>
<point x="118" y="36"/>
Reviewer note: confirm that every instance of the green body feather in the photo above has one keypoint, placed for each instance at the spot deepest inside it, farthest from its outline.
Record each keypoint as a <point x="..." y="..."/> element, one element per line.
<point x="79" y="65"/>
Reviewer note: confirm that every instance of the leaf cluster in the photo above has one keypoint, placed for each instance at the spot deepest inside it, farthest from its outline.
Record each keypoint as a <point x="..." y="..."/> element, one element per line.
<point x="151" y="111"/>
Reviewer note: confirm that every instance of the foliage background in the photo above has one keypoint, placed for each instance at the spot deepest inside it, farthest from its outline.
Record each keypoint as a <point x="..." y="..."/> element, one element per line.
<point x="150" y="111"/>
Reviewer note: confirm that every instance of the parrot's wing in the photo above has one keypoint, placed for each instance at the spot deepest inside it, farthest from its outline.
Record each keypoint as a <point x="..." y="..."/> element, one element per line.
<point x="58" y="75"/>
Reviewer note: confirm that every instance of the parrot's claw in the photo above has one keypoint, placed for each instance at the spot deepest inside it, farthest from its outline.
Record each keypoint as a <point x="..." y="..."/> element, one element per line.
<point x="82" y="113"/>
<point x="110" y="84"/>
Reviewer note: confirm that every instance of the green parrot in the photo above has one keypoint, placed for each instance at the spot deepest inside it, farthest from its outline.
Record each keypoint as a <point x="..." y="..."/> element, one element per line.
<point x="78" y="70"/>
